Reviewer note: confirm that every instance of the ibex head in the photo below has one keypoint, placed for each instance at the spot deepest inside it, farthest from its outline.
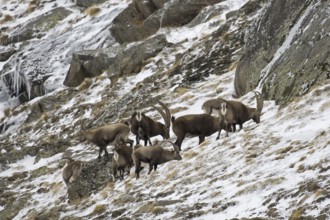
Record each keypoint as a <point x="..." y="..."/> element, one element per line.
<point x="167" y="119"/>
<point x="257" y="112"/>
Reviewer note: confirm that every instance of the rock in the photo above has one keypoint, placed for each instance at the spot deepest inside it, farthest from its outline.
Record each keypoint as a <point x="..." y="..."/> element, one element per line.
<point x="143" y="18"/>
<point x="88" y="3"/>
<point x="302" y="65"/>
<point x="94" y="175"/>
<point x="118" y="61"/>
<point x="6" y="53"/>
<point x="131" y="24"/>
<point x="37" y="27"/>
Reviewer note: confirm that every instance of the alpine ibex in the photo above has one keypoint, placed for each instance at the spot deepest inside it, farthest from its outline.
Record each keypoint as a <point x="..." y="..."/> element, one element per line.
<point x="123" y="159"/>
<point x="154" y="155"/>
<point x="237" y="113"/>
<point x="201" y="125"/>
<point x="105" y="135"/>
<point x="144" y="127"/>
<point x="211" y="104"/>
<point x="72" y="170"/>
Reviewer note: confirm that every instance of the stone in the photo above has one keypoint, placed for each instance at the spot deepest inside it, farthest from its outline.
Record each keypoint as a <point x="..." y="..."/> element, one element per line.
<point x="36" y="27"/>
<point x="302" y="65"/>
<point x="6" y="53"/>
<point x="117" y="61"/>
<point x="94" y="175"/>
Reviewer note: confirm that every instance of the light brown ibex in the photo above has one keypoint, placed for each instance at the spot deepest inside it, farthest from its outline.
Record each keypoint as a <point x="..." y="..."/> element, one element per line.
<point x="72" y="170"/>
<point x="144" y="127"/>
<point x="123" y="159"/>
<point x="212" y="104"/>
<point x="154" y="155"/>
<point x="234" y="112"/>
<point x="105" y="135"/>
<point x="196" y="125"/>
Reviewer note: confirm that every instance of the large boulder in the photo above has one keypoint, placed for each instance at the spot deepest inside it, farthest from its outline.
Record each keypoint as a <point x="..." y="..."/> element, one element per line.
<point x="117" y="61"/>
<point x="286" y="65"/>
<point x="142" y="19"/>
<point x="94" y="175"/>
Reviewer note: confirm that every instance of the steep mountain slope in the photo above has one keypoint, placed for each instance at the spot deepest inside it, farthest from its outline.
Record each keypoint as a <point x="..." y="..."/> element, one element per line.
<point x="277" y="169"/>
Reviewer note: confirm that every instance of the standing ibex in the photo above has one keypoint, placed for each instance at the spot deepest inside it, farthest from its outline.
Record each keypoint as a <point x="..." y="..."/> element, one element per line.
<point x="201" y="125"/>
<point x="123" y="159"/>
<point x="72" y="170"/>
<point x="105" y="135"/>
<point x="237" y="113"/>
<point x="144" y="127"/>
<point x="211" y="104"/>
<point x="154" y="155"/>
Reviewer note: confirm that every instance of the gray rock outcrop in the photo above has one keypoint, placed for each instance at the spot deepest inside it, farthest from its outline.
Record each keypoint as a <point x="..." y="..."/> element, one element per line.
<point x="37" y="27"/>
<point x="6" y="53"/>
<point x="142" y="19"/>
<point x="117" y="61"/>
<point x="94" y="175"/>
<point x="304" y="59"/>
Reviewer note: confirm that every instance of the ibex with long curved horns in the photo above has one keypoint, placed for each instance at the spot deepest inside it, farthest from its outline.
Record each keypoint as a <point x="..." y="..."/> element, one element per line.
<point x="144" y="127"/>
<point x="234" y="112"/>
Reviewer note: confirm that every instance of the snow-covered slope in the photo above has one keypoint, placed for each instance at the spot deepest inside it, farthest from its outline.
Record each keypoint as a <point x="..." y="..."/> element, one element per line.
<point x="278" y="169"/>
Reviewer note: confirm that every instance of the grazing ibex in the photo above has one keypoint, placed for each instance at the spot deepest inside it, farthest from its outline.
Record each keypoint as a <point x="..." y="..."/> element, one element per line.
<point x="237" y="113"/>
<point x="123" y="159"/>
<point x="201" y="125"/>
<point x="211" y="104"/>
<point x="144" y="127"/>
<point x="105" y="135"/>
<point x="154" y="155"/>
<point x="72" y="170"/>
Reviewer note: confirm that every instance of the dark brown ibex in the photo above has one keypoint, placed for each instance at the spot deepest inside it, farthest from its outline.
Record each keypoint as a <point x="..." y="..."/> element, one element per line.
<point x="144" y="127"/>
<point x="72" y="170"/>
<point x="196" y="125"/>
<point x="123" y="159"/>
<point x="105" y="135"/>
<point x="237" y="113"/>
<point x="212" y="104"/>
<point x="154" y="155"/>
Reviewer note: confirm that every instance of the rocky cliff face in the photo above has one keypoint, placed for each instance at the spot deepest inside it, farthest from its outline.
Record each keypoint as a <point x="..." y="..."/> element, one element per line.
<point x="286" y="51"/>
<point x="88" y="69"/>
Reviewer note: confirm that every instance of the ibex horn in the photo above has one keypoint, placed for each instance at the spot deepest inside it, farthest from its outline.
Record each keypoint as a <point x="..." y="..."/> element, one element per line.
<point x="168" y="113"/>
<point x="259" y="100"/>
<point x="176" y="148"/>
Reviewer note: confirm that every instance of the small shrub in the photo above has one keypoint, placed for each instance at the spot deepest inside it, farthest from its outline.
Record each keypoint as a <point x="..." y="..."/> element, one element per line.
<point x="92" y="11"/>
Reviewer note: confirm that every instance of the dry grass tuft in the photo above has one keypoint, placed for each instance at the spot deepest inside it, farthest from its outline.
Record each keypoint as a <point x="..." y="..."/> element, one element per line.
<point x="33" y="4"/>
<point x="325" y="106"/>
<point x="99" y="209"/>
<point x="7" y="112"/>
<point x="86" y="84"/>
<point x="6" y="18"/>
<point x="92" y="11"/>
<point x="190" y="154"/>
<point x="297" y="214"/>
